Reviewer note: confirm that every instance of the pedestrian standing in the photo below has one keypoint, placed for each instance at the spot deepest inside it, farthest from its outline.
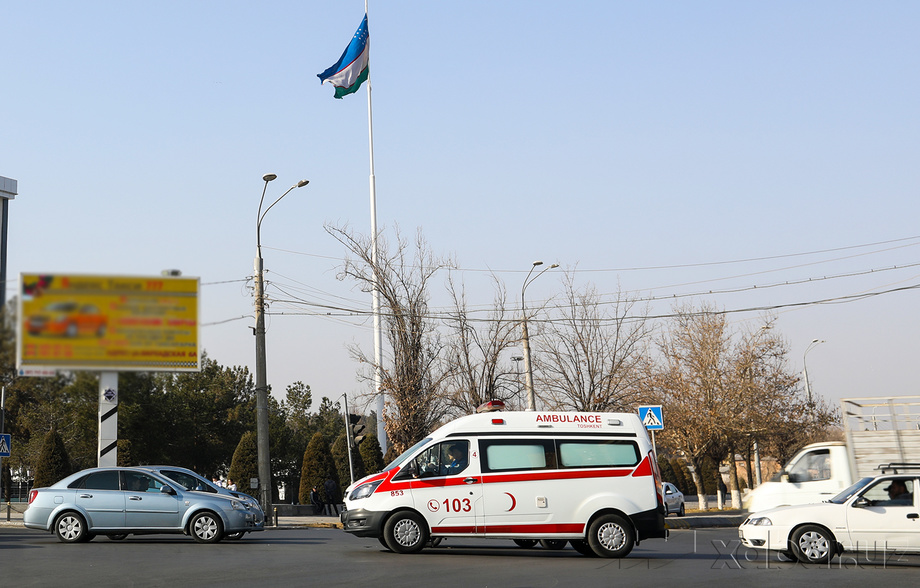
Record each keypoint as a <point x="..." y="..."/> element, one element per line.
<point x="316" y="500"/>
<point x="332" y="497"/>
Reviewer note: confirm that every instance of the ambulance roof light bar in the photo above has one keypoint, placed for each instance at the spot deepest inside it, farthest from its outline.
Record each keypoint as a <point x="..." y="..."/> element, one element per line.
<point x="491" y="406"/>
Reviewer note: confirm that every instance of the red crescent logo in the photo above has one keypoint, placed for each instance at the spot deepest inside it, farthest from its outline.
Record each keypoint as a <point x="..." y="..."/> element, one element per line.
<point x="513" y="502"/>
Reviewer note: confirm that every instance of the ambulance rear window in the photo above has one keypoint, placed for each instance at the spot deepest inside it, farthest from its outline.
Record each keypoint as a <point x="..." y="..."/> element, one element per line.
<point x="597" y="454"/>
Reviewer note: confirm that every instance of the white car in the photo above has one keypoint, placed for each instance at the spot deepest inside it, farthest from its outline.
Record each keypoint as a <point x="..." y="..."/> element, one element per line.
<point x="673" y="499"/>
<point x="876" y="514"/>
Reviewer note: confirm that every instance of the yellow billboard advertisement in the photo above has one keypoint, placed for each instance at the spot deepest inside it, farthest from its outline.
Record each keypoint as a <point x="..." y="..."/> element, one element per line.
<point x="107" y="323"/>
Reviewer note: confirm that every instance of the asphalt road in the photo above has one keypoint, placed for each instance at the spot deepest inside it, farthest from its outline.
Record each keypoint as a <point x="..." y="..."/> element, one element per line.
<point x="328" y="557"/>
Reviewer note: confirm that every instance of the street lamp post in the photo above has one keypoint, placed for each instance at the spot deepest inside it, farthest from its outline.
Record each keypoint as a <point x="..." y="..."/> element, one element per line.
<point x="811" y="346"/>
<point x="525" y="337"/>
<point x="262" y="444"/>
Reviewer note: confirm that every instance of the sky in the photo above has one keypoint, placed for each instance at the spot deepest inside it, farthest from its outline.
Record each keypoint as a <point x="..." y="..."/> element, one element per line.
<point x="758" y="157"/>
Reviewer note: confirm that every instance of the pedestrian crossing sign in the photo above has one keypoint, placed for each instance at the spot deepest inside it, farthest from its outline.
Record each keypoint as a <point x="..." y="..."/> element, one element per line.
<point x="651" y="417"/>
<point x="5" y="442"/>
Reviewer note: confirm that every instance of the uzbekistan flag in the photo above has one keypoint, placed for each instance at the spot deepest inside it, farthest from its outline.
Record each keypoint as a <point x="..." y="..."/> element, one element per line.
<point x="349" y="72"/>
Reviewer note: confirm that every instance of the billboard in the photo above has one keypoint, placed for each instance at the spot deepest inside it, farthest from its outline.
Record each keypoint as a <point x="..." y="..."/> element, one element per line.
<point x="107" y="323"/>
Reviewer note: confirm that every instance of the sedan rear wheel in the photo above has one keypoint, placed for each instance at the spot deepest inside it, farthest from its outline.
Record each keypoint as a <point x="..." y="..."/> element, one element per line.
<point x="70" y="527"/>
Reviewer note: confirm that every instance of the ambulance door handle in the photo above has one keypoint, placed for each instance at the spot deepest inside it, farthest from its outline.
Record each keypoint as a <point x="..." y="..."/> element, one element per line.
<point x="913" y="515"/>
<point x="470" y="480"/>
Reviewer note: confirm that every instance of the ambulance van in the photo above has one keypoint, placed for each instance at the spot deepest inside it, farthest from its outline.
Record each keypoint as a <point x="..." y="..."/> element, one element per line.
<point x="587" y="478"/>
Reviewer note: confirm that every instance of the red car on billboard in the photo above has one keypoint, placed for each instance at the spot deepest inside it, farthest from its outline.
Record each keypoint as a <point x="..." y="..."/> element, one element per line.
<point x="68" y="319"/>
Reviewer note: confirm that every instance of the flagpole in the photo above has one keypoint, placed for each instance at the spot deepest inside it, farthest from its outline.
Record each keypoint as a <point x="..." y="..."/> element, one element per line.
<point x="378" y="337"/>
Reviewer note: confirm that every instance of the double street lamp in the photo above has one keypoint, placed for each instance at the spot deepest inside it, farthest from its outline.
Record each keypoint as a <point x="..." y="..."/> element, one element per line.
<point x="525" y="338"/>
<point x="264" y="462"/>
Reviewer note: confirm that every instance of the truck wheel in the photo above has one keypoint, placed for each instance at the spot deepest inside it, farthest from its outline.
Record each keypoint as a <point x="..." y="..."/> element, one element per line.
<point x="813" y="544"/>
<point x="406" y="532"/>
<point x="611" y="536"/>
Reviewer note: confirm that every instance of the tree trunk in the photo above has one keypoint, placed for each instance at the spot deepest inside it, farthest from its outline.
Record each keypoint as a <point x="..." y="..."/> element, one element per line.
<point x="698" y="483"/>
<point x="733" y="481"/>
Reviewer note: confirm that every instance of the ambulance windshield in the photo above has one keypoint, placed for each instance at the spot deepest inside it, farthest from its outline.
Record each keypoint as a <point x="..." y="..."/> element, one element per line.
<point x="406" y="454"/>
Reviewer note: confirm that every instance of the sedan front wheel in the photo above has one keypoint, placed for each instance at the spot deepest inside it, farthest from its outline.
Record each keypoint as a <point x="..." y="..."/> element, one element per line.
<point x="813" y="544"/>
<point x="206" y="527"/>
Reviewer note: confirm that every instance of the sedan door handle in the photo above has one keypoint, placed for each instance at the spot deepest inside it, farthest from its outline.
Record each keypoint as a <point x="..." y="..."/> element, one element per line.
<point x="470" y="480"/>
<point x="86" y="496"/>
<point x="135" y="498"/>
<point x="913" y="515"/>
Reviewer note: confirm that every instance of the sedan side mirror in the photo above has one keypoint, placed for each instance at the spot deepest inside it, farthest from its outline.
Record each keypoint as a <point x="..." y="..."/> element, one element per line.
<point x="862" y="502"/>
<point x="164" y="489"/>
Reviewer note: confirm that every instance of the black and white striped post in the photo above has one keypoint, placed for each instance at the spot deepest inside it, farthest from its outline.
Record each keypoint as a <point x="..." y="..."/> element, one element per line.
<point x="108" y="419"/>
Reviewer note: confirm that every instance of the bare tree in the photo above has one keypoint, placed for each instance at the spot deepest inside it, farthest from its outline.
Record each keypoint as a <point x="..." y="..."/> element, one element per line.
<point x="412" y="379"/>
<point x="691" y="384"/>
<point x="723" y="390"/>
<point x="590" y="357"/>
<point x="475" y="352"/>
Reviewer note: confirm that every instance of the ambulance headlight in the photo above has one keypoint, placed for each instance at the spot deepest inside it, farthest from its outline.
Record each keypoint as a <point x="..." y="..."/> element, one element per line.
<point x="364" y="490"/>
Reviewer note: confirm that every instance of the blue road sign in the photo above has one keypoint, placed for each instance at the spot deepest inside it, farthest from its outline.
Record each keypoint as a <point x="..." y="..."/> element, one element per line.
<point x="6" y="441"/>
<point x="651" y="417"/>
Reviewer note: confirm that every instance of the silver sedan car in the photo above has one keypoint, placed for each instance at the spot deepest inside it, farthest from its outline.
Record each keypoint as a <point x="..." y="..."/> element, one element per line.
<point x="673" y="499"/>
<point x="119" y="501"/>
<point x="193" y="481"/>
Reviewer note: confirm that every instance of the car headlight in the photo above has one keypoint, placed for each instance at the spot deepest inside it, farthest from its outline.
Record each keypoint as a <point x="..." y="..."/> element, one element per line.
<point x="237" y="505"/>
<point x="760" y="522"/>
<point x="364" y="490"/>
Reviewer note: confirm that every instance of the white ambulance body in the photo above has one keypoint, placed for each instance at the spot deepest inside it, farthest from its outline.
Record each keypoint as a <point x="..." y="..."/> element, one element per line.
<point x="587" y="478"/>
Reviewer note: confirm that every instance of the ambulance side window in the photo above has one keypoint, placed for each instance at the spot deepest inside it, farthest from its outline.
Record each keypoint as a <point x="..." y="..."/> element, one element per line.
<point x="429" y="462"/>
<point x="597" y="454"/>
<point x="503" y="455"/>
<point x="434" y="461"/>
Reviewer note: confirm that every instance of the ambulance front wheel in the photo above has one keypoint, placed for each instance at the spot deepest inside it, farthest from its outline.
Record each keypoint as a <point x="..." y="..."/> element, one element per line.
<point x="611" y="536"/>
<point x="406" y="532"/>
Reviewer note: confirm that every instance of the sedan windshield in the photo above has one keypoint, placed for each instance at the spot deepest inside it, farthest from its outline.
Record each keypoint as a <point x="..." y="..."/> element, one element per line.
<point x="846" y="494"/>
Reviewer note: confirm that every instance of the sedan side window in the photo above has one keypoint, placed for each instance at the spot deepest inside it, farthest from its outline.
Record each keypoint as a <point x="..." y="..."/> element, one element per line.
<point x="891" y="492"/>
<point x="106" y="480"/>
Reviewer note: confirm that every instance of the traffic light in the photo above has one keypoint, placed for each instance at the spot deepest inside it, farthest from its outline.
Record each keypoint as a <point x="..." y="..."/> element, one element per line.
<point x="358" y="426"/>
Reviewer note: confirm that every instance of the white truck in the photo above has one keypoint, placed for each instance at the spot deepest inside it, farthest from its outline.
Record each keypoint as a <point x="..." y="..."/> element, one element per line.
<point x="878" y="431"/>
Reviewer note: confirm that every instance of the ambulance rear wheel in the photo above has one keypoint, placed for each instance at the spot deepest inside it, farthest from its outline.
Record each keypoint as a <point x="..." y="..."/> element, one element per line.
<point x="611" y="536"/>
<point x="554" y="544"/>
<point x="406" y="532"/>
<point x="525" y="543"/>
